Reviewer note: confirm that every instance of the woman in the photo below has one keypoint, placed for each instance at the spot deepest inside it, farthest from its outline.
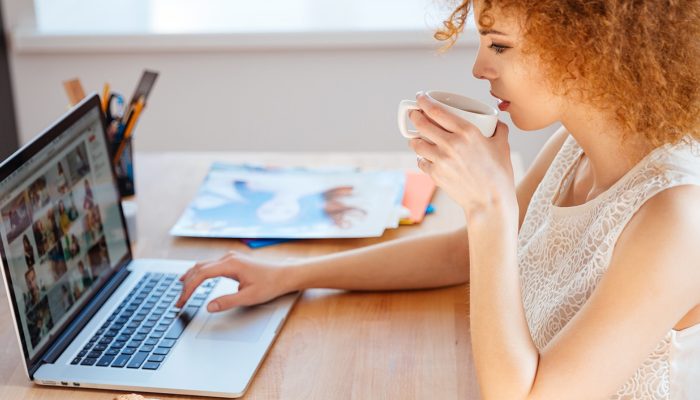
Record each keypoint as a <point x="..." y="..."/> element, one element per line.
<point x="63" y="219"/>
<point x="61" y="180"/>
<point x="28" y="251"/>
<point x="584" y="279"/>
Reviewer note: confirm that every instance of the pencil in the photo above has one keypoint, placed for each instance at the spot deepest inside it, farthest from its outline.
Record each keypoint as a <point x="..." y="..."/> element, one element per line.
<point x="131" y="121"/>
<point x="105" y="97"/>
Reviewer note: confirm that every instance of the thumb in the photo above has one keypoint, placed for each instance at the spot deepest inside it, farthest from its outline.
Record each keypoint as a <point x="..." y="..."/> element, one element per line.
<point x="229" y="301"/>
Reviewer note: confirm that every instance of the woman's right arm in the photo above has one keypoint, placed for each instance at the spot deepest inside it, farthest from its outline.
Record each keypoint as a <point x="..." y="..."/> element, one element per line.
<point x="416" y="262"/>
<point x="423" y="261"/>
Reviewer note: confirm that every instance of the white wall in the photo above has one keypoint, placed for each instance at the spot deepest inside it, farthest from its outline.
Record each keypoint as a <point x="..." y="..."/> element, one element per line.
<point x="285" y="99"/>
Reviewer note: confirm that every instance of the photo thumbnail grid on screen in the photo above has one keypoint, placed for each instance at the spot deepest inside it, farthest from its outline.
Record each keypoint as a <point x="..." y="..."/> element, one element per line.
<point x="55" y="239"/>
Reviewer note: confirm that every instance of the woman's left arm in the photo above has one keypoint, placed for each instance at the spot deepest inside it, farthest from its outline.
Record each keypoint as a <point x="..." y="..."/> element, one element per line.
<point x="652" y="282"/>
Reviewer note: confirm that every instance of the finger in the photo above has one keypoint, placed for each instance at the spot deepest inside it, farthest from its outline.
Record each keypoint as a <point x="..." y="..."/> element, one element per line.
<point x="425" y="165"/>
<point x="501" y="132"/>
<point x="229" y="301"/>
<point x="429" y="129"/>
<point x="444" y="118"/>
<point x="219" y="268"/>
<point x="202" y="264"/>
<point x="196" y="267"/>
<point x="424" y="149"/>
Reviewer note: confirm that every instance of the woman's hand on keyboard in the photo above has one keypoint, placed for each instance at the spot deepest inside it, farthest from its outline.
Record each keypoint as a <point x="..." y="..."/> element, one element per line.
<point x="258" y="281"/>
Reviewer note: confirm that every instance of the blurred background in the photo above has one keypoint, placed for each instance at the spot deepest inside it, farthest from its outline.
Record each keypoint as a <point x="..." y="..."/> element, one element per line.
<point x="278" y="75"/>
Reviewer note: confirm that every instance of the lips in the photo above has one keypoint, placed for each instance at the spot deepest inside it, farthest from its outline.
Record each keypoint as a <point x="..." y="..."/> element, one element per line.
<point x="502" y="104"/>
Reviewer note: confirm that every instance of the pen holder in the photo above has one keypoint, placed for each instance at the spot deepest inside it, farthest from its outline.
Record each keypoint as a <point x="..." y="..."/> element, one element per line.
<point x="124" y="167"/>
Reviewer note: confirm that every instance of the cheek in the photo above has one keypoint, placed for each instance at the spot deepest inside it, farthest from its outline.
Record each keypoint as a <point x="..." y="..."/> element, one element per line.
<point x="533" y="106"/>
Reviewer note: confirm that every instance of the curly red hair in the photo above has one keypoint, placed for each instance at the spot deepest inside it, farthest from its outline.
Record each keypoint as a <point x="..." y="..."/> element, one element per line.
<point x="637" y="60"/>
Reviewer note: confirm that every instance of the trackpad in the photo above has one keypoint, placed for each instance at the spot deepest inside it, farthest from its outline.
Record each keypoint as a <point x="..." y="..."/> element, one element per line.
<point x="243" y="324"/>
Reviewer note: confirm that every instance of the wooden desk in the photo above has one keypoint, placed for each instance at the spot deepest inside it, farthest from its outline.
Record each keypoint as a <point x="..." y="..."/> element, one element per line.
<point x="334" y="345"/>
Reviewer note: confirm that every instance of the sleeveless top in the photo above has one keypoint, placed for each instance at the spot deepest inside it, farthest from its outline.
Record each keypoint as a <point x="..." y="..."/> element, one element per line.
<point x="563" y="252"/>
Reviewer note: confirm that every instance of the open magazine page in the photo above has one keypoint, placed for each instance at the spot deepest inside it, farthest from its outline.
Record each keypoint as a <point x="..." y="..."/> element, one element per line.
<point x="243" y="201"/>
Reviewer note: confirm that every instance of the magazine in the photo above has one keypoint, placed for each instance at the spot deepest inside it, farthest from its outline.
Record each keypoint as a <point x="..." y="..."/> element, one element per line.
<point x="248" y="201"/>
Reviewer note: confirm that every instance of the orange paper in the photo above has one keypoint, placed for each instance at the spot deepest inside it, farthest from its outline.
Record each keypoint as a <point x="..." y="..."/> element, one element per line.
<point x="417" y="194"/>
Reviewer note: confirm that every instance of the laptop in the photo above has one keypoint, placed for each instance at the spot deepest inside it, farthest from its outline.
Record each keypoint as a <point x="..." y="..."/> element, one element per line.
<point x="86" y="313"/>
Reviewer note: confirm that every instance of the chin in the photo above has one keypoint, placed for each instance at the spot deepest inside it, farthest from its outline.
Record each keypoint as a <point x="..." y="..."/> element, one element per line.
<point x="527" y="123"/>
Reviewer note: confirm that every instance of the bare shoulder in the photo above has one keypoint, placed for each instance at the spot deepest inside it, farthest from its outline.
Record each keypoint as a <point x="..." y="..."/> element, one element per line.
<point x="661" y="240"/>
<point x="533" y="176"/>
<point x="675" y="209"/>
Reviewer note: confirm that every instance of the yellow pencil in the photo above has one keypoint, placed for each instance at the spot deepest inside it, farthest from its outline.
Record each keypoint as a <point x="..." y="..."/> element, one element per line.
<point x="133" y="116"/>
<point x="105" y="97"/>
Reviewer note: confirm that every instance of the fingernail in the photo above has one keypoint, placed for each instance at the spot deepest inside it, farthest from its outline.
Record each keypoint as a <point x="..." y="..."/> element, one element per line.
<point x="213" y="307"/>
<point x="418" y="93"/>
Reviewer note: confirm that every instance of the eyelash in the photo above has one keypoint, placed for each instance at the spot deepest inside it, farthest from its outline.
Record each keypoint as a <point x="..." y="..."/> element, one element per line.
<point x="498" y="48"/>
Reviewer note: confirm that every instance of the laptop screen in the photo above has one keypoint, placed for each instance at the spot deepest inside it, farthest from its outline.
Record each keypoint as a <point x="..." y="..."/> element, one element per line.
<point x="61" y="227"/>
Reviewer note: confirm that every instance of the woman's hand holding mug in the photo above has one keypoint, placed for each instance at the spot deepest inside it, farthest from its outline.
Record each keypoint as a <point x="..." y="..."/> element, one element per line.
<point x="463" y="147"/>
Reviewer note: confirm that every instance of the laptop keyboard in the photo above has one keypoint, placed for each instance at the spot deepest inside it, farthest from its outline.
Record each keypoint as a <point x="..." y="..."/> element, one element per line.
<point x="145" y="326"/>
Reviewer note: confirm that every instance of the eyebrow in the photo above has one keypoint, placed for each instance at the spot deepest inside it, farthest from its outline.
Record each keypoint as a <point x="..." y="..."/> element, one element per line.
<point x="485" y="32"/>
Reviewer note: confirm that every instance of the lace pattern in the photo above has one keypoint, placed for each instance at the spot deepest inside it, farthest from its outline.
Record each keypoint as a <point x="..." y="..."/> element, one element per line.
<point x="564" y="252"/>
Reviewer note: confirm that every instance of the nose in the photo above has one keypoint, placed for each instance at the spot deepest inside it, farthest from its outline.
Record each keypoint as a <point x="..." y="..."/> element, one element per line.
<point x="482" y="69"/>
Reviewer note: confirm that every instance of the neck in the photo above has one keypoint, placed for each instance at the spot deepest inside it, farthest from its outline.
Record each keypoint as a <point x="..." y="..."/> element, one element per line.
<point x="600" y="138"/>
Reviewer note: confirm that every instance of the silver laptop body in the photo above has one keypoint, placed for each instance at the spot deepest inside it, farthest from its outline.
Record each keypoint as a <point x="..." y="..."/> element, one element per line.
<point x="88" y="315"/>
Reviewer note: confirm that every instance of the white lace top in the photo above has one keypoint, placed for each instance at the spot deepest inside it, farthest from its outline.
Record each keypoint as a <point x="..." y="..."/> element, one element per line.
<point x="564" y="251"/>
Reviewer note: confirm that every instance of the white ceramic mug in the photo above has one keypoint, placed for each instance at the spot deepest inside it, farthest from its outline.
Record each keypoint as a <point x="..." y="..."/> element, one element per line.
<point x="485" y="117"/>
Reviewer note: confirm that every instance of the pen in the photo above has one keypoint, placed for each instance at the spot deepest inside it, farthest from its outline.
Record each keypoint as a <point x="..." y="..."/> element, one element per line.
<point x="105" y="97"/>
<point x="130" y="122"/>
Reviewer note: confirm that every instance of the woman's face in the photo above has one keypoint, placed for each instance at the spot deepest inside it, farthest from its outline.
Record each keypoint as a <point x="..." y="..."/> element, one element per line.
<point x="515" y="78"/>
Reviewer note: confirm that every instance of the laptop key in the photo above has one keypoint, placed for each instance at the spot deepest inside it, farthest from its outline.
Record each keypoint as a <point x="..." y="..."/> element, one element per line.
<point x="129" y="350"/>
<point x="180" y="323"/>
<point x="176" y="329"/>
<point x="75" y="361"/>
<point x="157" y="335"/>
<point x="105" y="361"/>
<point x="112" y="333"/>
<point x="151" y="365"/>
<point x="121" y="361"/>
<point x="112" y="351"/>
<point x="137" y="359"/>
<point x="196" y="302"/>
<point x="118" y="344"/>
<point x="161" y="351"/>
<point x="89" y="361"/>
<point x="94" y="354"/>
<point x="156" y="358"/>
<point x="167" y="343"/>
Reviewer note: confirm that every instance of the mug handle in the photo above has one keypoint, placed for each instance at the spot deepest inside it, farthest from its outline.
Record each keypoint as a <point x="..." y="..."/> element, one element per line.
<point x="404" y="107"/>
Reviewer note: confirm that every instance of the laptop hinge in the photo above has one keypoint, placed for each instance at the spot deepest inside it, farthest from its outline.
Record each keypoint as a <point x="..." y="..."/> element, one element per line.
<point x="80" y="320"/>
